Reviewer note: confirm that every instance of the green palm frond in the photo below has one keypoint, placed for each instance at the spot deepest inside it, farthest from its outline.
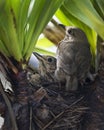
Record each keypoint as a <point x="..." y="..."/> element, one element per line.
<point x="21" y="23"/>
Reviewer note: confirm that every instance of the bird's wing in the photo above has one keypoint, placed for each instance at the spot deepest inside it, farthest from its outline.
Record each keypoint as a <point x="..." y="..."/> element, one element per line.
<point x="83" y="61"/>
<point x="66" y="58"/>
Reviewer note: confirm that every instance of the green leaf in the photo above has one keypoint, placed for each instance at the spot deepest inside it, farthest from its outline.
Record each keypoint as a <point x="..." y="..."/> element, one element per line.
<point x="7" y="25"/>
<point x="85" y="12"/>
<point x="99" y="7"/>
<point x="43" y="51"/>
<point x="2" y="4"/>
<point x="32" y="23"/>
<point x="62" y="17"/>
<point x="21" y="23"/>
<point x="43" y="13"/>
<point x="3" y="49"/>
<point x="15" y="7"/>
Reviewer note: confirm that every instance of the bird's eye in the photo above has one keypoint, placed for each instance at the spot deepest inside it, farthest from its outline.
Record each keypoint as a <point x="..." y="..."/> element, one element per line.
<point x="50" y="59"/>
<point x="70" y="31"/>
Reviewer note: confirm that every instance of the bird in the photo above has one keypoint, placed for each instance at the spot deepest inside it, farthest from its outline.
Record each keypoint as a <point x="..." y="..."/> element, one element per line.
<point x="47" y="66"/>
<point x="73" y="58"/>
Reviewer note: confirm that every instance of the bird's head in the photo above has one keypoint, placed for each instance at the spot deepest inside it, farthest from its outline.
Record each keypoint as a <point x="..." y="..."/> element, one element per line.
<point x="74" y="34"/>
<point x="46" y="63"/>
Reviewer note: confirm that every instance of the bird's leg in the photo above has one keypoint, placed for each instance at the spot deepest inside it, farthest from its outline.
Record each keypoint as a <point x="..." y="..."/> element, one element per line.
<point x="71" y="83"/>
<point x="68" y="83"/>
<point x="74" y="83"/>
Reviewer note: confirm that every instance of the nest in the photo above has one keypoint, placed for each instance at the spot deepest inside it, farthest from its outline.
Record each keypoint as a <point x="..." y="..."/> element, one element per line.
<point x="54" y="112"/>
<point x="58" y="109"/>
<point x="46" y="106"/>
<point x="43" y="105"/>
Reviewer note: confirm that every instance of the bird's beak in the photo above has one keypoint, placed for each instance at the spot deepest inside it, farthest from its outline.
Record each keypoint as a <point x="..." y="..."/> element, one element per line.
<point x="38" y="56"/>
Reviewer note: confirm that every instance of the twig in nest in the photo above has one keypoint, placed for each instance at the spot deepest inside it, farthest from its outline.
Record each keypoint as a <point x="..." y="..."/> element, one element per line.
<point x="30" y="128"/>
<point x="59" y="115"/>
<point x="38" y="122"/>
<point x="40" y="94"/>
<point x="8" y="63"/>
